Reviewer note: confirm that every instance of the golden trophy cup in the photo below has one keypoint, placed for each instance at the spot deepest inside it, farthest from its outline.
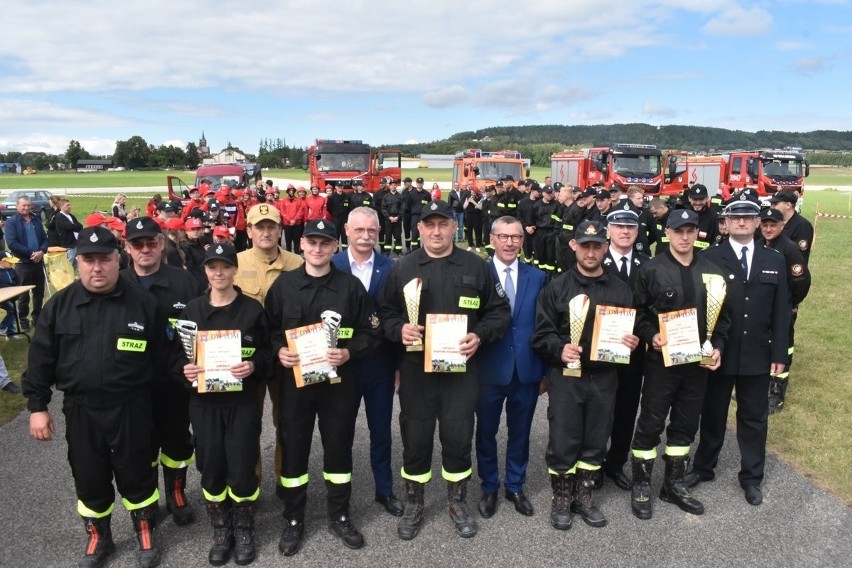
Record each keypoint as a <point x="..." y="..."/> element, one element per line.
<point x="716" y="287"/>
<point x="411" y="293"/>
<point x="578" y="309"/>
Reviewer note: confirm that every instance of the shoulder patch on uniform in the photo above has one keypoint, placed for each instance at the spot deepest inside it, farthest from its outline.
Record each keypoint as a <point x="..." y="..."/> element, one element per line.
<point x="499" y="289"/>
<point x="374" y="320"/>
<point x="803" y="244"/>
<point x="797" y="269"/>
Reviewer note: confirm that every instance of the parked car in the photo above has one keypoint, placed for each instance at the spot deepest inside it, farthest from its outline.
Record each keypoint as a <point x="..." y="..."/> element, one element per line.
<point x="39" y="198"/>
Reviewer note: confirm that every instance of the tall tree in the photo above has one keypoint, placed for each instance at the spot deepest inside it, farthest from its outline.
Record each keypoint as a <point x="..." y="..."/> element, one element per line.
<point x="132" y="153"/>
<point x="75" y="153"/>
<point x="193" y="158"/>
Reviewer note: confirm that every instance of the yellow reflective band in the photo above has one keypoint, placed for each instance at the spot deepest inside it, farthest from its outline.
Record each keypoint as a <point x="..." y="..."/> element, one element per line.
<point x="87" y="513"/>
<point x="150" y="500"/>
<point x="215" y="498"/>
<point x="567" y="227"/>
<point x="346" y="332"/>
<point x="422" y="478"/>
<point x="587" y="466"/>
<point x="556" y="218"/>
<point x="701" y="244"/>
<point x="716" y="200"/>
<point x="174" y="464"/>
<point x="571" y="471"/>
<point x="291" y="482"/>
<point x="172" y="321"/>
<point x="512" y="205"/>
<point x="645" y="454"/>
<point x="252" y="497"/>
<point x="455" y="477"/>
<point x="677" y="451"/>
<point x="782" y="376"/>
<point x="247" y="352"/>
<point x="136" y="345"/>
<point x="665" y="240"/>
<point x="337" y="478"/>
<point x="791" y="350"/>
<point x="472" y="303"/>
<point x="501" y="205"/>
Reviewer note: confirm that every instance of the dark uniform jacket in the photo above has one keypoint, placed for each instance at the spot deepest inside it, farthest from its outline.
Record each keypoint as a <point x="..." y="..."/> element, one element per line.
<point x="708" y="228"/>
<point x="800" y="231"/>
<point x="172" y="287"/>
<point x="101" y="350"/>
<point x="416" y="201"/>
<point x="360" y="199"/>
<point x="552" y="330"/>
<point x="393" y="205"/>
<point x="798" y="274"/>
<point x="338" y="206"/>
<point x="65" y="229"/>
<point x="507" y="203"/>
<point x="546" y="217"/>
<point x="247" y="315"/>
<point x="759" y="308"/>
<point x="664" y="285"/>
<point x="526" y="208"/>
<point x="460" y="283"/>
<point x="297" y="299"/>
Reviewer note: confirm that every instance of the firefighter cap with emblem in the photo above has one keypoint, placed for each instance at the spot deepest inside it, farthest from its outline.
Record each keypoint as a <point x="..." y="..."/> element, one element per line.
<point x="263" y="212"/>
<point x="96" y="240"/>
<point x="680" y="217"/>
<point x="436" y="207"/>
<point x="590" y="232"/>
<point x="320" y="228"/>
<point x="143" y="227"/>
<point x="221" y="251"/>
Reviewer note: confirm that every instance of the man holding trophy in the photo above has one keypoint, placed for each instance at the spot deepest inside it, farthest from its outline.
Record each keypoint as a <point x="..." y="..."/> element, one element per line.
<point x="581" y="385"/>
<point x="679" y="299"/>
<point x="437" y="281"/>
<point x="760" y="317"/>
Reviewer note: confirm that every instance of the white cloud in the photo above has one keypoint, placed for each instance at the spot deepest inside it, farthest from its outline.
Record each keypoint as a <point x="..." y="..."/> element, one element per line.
<point x="446" y="97"/>
<point x="37" y="113"/>
<point x="52" y="144"/>
<point x="654" y="109"/>
<point x="736" y="20"/>
<point x="810" y="65"/>
<point x="175" y="143"/>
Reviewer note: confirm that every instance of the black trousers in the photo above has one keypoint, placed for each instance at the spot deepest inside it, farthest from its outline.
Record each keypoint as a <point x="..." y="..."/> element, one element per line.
<point x="336" y="407"/>
<point x="544" y="249"/>
<point x="426" y="398"/>
<point x="752" y="422"/>
<point x="580" y="417"/>
<point x="226" y="446"/>
<point x="406" y="228"/>
<point x="675" y="392"/>
<point x="415" y="233"/>
<point x="111" y="442"/>
<point x="171" y="425"/>
<point x="292" y="235"/>
<point x="30" y="274"/>
<point x="473" y="229"/>
<point x="393" y="238"/>
<point x="626" y="405"/>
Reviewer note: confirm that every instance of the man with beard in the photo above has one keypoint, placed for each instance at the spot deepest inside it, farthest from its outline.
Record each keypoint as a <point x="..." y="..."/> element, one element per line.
<point x="708" y="221"/>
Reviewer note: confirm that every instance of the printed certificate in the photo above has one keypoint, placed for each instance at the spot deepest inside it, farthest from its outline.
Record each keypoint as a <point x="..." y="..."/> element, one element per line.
<point x="443" y="334"/>
<point x="679" y="332"/>
<point x="218" y="351"/>
<point x="611" y="324"/>
<point x="311" y="344"/>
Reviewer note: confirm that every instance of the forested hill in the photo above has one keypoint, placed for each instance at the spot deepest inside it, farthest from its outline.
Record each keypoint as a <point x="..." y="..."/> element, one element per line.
<point x="539" y="141"/>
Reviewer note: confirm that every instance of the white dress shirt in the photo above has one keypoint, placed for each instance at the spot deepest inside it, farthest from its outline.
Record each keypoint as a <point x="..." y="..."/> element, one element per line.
<point x="363" y="271"/>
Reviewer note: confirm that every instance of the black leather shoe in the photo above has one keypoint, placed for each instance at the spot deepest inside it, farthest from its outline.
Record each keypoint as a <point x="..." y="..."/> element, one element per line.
<point x="621" y="481"/>
<point x="291" y="537"/>
<point x="391" y="504"/>
<point x="753" y="495"/>
<point x="343" y="529"/>
<point x="693" y="478"/>
<point x="522" y="504"/>
<point x="488" y="505"/>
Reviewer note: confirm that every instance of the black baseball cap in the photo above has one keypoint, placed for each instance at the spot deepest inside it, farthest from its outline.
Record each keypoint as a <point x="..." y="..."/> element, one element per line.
<point x="509" y="178"/>
<point x="772" y="215"/>
<point x="698" y="191"/>
<point x="590" y="232"/>
<point x="96" y="240"/>
<point x="558" y="186"/>
<point x="437" y="207"/>
<point x="419" y="180"/>
<point x="141" y="228"/>
<point x="320" y="228"/>
<point x="222" y="251"/>
<point x="589" y="192"/>
<point x="360" y="183"/>
<point x="787" y="195"/>
<point x="603" y="194"/>
<point x="682" y="217"/>
<point x="547" y="189"/>
<point x="407" y="179"/>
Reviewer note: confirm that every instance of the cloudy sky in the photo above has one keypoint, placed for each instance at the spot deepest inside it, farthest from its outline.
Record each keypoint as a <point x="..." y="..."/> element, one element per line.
<point x="412" y="70"/>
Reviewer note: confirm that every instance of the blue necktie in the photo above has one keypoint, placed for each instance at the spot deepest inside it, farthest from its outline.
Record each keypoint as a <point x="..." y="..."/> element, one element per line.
<point x="510" y="288"/>
<point x="744" y="262"/>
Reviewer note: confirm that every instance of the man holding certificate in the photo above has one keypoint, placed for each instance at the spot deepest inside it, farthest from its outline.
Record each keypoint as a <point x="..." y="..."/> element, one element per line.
<point x="757" y="296"/>
<point x="458" y="293"/>
<point x="321" y="318"/>
<point x="674" y="308"/>
<point x="584" y="324"/>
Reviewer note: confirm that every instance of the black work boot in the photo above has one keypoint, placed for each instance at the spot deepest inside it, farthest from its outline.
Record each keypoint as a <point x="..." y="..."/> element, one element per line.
<point x="100" y="544"/>
<point x="145" y="524"/>
<point x="560" y="505"/>
<point x="673" y="489"/>
<point x="457" y="508"/>
<point x="640" y="492"/>
<point x="291" y="536"/>
<point x="176" y="502"/>
<point x="583" y="503"/>
<point x="244" y="549"/>
<point x="342" y="528"/>
<point x="223" y="532"/>
<point x="412" y="517"/>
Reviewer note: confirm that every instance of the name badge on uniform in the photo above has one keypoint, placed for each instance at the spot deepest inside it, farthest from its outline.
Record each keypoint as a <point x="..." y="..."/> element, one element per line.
<point x="247" y="352"/>
<point x="471" y="303"/>
<point x="345" y="333"/>
<point x="135" y="345"/>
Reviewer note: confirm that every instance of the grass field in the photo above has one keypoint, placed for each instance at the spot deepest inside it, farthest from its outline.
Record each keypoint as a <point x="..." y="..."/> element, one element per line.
<point x="812" y="432"/>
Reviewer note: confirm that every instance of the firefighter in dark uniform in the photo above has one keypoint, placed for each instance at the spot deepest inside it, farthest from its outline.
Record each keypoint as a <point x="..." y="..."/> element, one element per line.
<point x="796" y="228"/>
<point x="708" y="221"/>
<point x="173" y="288"/>
<point x="660" y="212"/>
<point x="417" y="199"/>
<point x="338" y="207"/>
<point x="453" y="282"/>
<point x="672" y="281"/>
<point x="227" y="424"/>
<point x="546" y="223"/>
<point x="798" y="283"/>
<point x="527" y="218"/>
<point x="406" y="217"/>
<point x="623" y="262"/>
<point x="507" y="202"/>
<point x="378" y="198"/>
<point x="296" y="299"/>
<point x="491" y="211"/>
<point x="758" y="301"/>
<point x="102" y="342"/>
<point x="571" y="217"/>
<point x="393" y="210"/>
<point x="581" y="410"/>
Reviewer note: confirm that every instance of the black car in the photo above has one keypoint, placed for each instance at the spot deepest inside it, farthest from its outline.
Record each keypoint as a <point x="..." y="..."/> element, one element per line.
<point x="39" y="198"/>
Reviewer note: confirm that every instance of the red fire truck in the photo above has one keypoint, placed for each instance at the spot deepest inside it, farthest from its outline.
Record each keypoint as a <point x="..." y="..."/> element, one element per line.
<point x="480" y="168"/>
<point x="621" y="165"/>
<point x="339" y="162"/>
